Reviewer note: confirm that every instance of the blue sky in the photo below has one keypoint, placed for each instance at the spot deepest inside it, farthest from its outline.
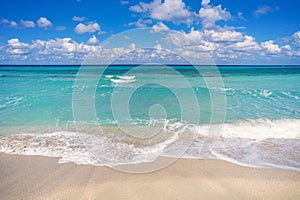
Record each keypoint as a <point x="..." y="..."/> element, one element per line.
<point x="232" y="32"/>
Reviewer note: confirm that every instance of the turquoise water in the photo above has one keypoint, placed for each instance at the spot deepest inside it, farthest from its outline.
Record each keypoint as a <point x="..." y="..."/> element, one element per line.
<point x="43" y="95"/>
<point x="262" y="104"/>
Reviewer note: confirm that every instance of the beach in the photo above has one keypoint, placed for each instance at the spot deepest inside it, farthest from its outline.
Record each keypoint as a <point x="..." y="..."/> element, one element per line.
<point x="146" y="100"/>
<point x="36" y="177"/>
<point x="53" y="147"/>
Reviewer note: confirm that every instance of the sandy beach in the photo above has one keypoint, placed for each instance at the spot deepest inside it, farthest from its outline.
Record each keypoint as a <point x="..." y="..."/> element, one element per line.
<point x="36" y="177"/>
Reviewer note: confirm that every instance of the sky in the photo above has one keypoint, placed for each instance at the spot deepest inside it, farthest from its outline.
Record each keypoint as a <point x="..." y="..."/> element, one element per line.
<point x="230" y="32"/>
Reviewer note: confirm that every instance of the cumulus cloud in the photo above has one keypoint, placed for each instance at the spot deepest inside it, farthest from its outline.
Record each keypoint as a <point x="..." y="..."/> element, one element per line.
<point x="13" y="24"/>
<point x="66" y="50"/>
<point x="264" y="10"/>
<point x="248" y="44"/>
<point x="271" y="47"/>
<point x="205" y="2"/>
<point x="78" y="19"/>
<point x="43" y="22"/>
<point x="168" y="10"/>
<point x="224" y="36"/>
<point x="221" y="44"/>
<point x="215" y="36"/>
<point x="61" y="49"/>
<point x="159" y="27"/>
<point x="140" y="23"/>
<point x="296" y="38"/>
<point x="211" y="14"/>
<point x="93" y="40"/>
<point x="28" y="24"/>
<point x="15" y="43"/>
<point x="64" y="45"/>
<point x="91" y="27"/>
<point x="15" y="47"/>
<point x="9" y="23"/>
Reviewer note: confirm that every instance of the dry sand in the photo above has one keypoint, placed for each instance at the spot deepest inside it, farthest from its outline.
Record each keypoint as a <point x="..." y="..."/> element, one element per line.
<point x="35" y="177"/>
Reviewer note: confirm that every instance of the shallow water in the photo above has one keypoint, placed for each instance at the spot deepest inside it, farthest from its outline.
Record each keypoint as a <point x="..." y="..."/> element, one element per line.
<point x="261" y="127"/>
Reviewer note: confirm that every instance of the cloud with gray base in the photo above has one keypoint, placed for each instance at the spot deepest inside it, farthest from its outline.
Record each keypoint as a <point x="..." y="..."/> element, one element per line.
<point x="169" y="10"/>
<point x="43" y="22"/>
<point x="90" y="27"/>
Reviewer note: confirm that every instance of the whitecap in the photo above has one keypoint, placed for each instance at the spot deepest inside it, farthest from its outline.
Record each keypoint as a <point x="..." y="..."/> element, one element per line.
<point x="126" y="77"/>
<point x="256" y="143"/>
<point x="122" y="81"/>
<point x="265" y="93"/>
<point x="109" y="76"/>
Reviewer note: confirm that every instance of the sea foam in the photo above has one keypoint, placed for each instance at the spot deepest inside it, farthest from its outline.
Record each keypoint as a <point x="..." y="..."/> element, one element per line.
<point x="256" y="143"/>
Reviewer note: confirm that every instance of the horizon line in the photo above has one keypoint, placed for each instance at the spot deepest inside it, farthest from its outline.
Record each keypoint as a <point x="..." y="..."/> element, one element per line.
<point x="1" y="65"/>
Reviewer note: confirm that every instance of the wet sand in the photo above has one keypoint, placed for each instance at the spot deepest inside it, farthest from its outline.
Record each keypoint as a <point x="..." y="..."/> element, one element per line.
<point x="36" y="177"/>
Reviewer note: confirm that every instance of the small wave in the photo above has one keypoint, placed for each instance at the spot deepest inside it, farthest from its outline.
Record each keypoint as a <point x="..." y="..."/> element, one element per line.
<point x="122" y="81"/>
<point x="109" y="76"/>
<point x="222" y="89"/>
<point x="262" y="129"/>
<point x="126" y="77"/>
<point x="256" y="143"/>
<point x="260" y="143"/>
<point x="73" y="147"/>
<point x="265" y="93"/>
<point x="11" y="102"/>
<point x="288" y="94"/>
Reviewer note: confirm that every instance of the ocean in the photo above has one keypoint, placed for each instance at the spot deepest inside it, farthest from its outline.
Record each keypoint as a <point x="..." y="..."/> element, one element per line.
<point x="249" y="115"/>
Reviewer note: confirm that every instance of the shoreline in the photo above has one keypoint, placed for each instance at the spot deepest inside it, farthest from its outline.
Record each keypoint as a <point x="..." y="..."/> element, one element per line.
<point x="38" y="177"/>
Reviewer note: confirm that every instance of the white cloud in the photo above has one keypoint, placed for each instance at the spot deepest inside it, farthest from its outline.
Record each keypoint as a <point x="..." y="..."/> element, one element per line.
<point x="169" y="10"/>
<point x="264" y="10"/>
<point x="15" y="43"/>
<point x="93" y="40"/>
<point x="124" y="2"/>
<point x="17" y="51"/>
<point x="159" y="27"/>
<point x="15" y="47"/>
<point x="287" y="50"/>
<point x="43" y="22"/>
<point x="220" y="44"/>
<point x="60" y="48"/>
<point x="140" y="23"/>
<point x="248" y="44"/>
<point x="9" y="23"/>
<point x="63" y="48"/>
<point x="78" y="19"/>
<point x="215" y="36"/>
<point x="13" y="24"/>
<point x="270" y="47"/>
<point x="91" y="27"/>
<point x="296" y="37"/>
<point x="28" y="24"/>
<point x="211" y="14"/>
<point x="205" y="2"/>
<point x="223" y="36"/>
